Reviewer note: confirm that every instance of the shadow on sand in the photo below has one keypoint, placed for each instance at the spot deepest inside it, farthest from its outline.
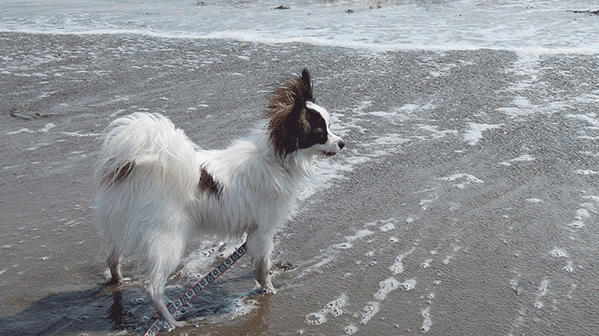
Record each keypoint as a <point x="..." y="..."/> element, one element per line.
<point x="109" y="309"/>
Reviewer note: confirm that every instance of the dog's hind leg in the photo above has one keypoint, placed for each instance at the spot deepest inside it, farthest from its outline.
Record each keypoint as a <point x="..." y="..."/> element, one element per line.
<point x="114" y="264"/>
<point x="156" y="293"/>
<point x="163" y="257"/>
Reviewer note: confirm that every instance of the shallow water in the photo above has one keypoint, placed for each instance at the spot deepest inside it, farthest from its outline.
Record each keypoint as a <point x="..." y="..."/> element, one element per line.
<point x="464" y="203"/>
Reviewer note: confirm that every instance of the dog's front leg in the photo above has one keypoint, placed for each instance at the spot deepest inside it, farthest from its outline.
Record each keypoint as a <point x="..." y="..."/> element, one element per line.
<point x="259" y="247"/>
<point x="263" y="275"/>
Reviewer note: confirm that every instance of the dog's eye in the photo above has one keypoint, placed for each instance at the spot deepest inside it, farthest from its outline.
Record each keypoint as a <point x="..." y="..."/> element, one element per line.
<point x="319" y="132"/>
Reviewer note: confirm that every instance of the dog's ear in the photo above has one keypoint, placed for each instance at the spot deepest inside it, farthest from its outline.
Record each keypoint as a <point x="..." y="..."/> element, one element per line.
<point x="299" y="107"/>
<point x="307" y="86"/>
<point x="303" y="96"/>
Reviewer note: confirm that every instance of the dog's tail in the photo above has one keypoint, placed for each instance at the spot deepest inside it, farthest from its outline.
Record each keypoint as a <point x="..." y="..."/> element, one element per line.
<point x="147" y="150"/>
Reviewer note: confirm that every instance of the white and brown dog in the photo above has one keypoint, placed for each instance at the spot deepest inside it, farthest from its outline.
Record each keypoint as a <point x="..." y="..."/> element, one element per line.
<point x="156" y="187"/>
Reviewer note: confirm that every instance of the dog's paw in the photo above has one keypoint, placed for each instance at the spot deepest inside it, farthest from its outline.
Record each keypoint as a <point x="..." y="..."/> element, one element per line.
<point x="267" y="290"/>
<point x="176" y="324"/>
<point x="117" y="281"/>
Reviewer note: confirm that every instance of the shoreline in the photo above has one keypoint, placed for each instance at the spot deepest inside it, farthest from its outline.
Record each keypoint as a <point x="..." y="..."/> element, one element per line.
<point x="315" y="42"/>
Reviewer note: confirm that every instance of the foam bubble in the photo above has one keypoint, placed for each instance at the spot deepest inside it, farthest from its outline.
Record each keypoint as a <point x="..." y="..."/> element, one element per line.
<point x="542" y="291"/>
<point x="558" y="253"/>
<point x="408" y="284"/>
<point x="320" y="261"/>
<point x="47" y="127"/>
<point x="521" y="158"/>
<point x="359" y="234"/>
<point x="397" y="266"/>
<point x="475" y="132"/>
<point x="456" y="177"/>
<point x="569" y="266"/>
<point x="343" y="246"/>
<point x="589" y="207"/>
<point x="543" y="288"/>
<point x="436" y="134"/>
<point x="350" y="329"/>
<point x="22" y="130"/>
<point x="426" y="263"/>
<point x="334" y="308"/>
<point x="315" y="319"/>
<point x="369" y="311"/>
<point x="592" y="197"/>
<point x="78" y="134"/>
<point x="427" y="323"/>
<point x="391" y="139"/>
<point x="586" y="172"/>
<point x="385" y="287"/>
<point x="401" y="114"/>
<point x="387" y="227"/>
<point x="465" y="179"/>
<point x="582" y="213"/>
<point x="447" y="259"/>
<point x="522" y="107"/>
<point x="349" y="239"/>
<point x="576" y="224"/>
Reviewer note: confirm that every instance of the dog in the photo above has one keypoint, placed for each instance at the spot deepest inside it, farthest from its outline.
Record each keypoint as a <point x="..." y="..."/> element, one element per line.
<point x="157" y="188"/>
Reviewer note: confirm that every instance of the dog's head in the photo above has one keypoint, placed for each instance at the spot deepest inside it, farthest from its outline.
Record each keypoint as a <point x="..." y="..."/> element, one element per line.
<point x="297" y="123"/>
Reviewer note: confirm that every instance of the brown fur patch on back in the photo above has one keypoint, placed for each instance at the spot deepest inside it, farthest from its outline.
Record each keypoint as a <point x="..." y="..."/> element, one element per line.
<point x="285" y="112"/>
<point x="208" y="184"/>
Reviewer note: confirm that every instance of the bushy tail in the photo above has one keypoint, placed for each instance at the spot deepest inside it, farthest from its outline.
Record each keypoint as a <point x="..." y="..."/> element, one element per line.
<point x="147" y="150"/>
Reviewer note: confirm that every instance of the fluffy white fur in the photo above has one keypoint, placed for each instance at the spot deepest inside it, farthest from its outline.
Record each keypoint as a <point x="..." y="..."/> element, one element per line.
<point x="153" y="196"/>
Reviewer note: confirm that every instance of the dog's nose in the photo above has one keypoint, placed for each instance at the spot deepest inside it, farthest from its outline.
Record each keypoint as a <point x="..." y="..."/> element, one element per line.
<point x="341" y="144"/>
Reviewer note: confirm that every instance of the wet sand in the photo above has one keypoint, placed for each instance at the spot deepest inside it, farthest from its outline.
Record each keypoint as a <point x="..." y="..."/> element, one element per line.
<point x="465" y="202"/>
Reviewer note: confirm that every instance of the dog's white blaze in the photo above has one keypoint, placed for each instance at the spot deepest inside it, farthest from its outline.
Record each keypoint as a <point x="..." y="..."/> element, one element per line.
<point x="323" y="112"/>
<point x="333" y="139"/>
